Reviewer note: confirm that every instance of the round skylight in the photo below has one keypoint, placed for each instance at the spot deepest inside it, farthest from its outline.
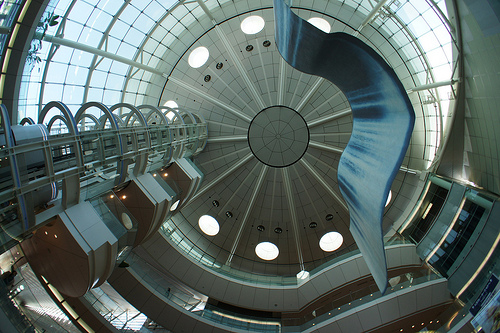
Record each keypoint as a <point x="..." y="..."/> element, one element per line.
<point x="175" y="205"/>
<point x="209" y="225"/>
<point x="267" y="251"/>
<point x="171" y="104"/>
<point x="331" y="241"/>
<point x="320" y="23"/>
<point x="389" y="197"/>
<point x="198" y="57"/>
<point x="170" y="115"/>
<point x="252" y="24"/>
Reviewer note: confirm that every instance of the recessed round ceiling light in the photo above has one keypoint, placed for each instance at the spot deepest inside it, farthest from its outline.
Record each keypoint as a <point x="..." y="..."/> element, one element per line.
<point x="198" y="57"/>
<point x="215" y="203"/>
<point x="278" y="230"/>
<point x="252" y="24"/>
<point x="389" y="197"/>
<point x="329" y="217"/>
<point x="267" y="251"/>
<point x="171" y="104"/>
<point x="208" y="225"/>
<point x="313" y="225"/>
<point x="320" y="23"/>
<point x="261" y="227"/>
<point x="175" y="205"/>
<point x="331" y="241"/>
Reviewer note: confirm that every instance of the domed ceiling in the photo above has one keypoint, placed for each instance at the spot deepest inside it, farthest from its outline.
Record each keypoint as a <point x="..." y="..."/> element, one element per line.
<point x="275" y="134"/>
<point x="275" y="139"/>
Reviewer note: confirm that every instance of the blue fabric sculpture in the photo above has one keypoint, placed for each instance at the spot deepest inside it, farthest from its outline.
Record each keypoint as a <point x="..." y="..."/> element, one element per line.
<point x="383" y="120"/>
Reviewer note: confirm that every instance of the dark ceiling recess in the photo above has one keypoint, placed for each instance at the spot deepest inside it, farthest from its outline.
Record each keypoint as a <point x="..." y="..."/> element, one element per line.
<point x="278" y="230"/>
<point x="249" y="48"/>
<point x="215" y="203"/>
<point x="266" y="43"/>
<point x="313" y="225"/>
<point x="261" y="227"/>
<point x="207" y="78"/>
<point x="229" y="214"/>
<point x="329" y="217"/>
<point x="219" y="65"/>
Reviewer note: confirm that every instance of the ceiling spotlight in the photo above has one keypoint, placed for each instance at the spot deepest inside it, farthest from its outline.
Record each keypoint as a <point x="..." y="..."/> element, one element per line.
<point x="313" y="225"/>
<point x="215" y="203"/>
<point x="261" y="227"/>
<point x="165" y="174"/>
<point x="329" y="217"/>
<point x="278" y="230"/>
<point x="124" y="196"/>
<point x="249" y="48"/>
<point x="266" y="43"/>
<point x="207" y="78"/>
<point x="229" y="214"/>
<point x="219" y="65"/>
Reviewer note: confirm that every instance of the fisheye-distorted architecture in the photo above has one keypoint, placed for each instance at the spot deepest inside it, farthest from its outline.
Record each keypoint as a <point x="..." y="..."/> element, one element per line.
<point x="163" y="168"/>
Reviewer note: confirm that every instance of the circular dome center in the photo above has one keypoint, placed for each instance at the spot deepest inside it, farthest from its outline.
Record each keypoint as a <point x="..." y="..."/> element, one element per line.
<point x="278" y="136"/>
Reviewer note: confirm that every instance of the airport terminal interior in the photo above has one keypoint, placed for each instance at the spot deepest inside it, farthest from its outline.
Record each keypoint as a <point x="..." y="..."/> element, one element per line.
<point x="163" y="168"/>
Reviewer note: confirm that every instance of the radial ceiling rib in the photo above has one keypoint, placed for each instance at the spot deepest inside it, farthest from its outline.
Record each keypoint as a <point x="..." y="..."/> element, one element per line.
<point x="242" y="183"/>
<point x="209" y="98"/>
<point x="224" y="156"/>
<point x="206" y="10"/>
<point x="325" y="147"/>
<point x="408" y="170"/>
<point x="307" y="192"/>
<point x="293" y="213"/>
<point x="296" y="88"/>
<point x="264" y="74"/>
<point x="227" y="125"/>
<point x="329" y="117"/>
<point x="92" y="50"/>
<point x="331" y="98"/>
<point x="238" y="96"/>
<point x="318" y="160"/>
<point x="316" y="135"/>
<point x="227" y="139"/>
<point x="281" y="82"/>
<point x="370" y="16"/>
<point x="323" y="183"/>
<point x="222" y="176"/>
<point x="239" y="66"/>
<point x="304" y="100"/>
<point x="248" y="211"/>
